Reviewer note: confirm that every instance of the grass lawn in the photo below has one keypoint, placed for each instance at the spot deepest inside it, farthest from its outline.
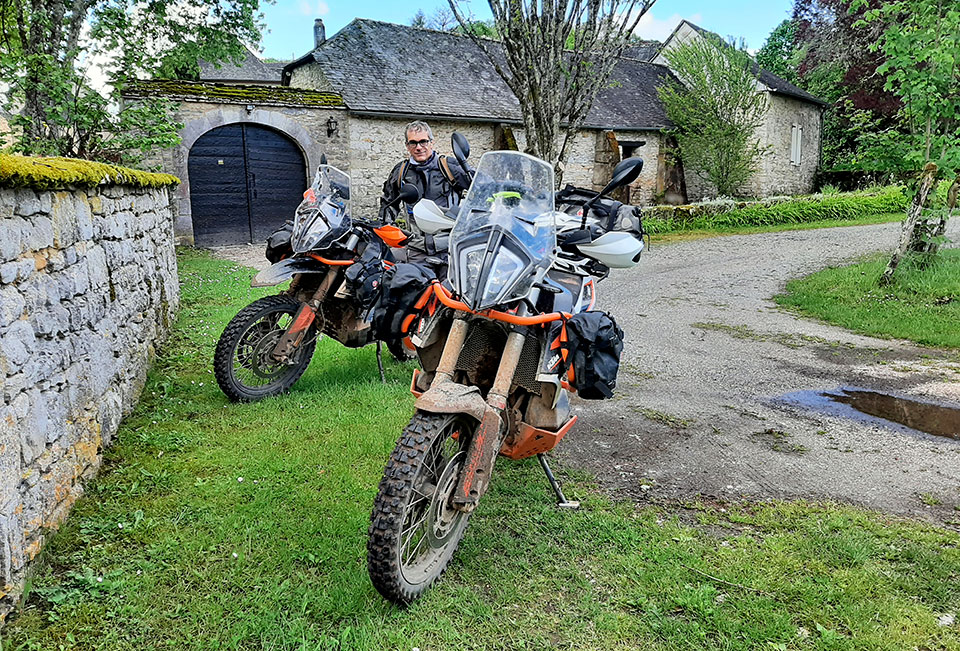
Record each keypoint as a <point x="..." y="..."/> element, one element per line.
<point x="222" y="526"/>
<point x="922" y="305"/>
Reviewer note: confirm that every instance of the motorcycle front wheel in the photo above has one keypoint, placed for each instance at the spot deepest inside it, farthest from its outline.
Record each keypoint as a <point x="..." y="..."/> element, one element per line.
<point x="242" y="362"/>
<point x="398" y="348"/>
<point x="413" y="530"/>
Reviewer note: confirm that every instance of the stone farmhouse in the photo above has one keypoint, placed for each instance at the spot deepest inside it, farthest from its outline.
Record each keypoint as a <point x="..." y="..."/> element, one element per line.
<point x="253" y="132"/>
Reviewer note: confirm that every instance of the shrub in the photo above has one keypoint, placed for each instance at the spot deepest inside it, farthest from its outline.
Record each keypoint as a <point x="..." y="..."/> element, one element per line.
<point x="774" y="210"/>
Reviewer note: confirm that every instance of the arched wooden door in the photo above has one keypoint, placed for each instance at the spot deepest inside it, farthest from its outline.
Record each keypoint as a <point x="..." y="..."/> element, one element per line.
<point x="245" y="181"/>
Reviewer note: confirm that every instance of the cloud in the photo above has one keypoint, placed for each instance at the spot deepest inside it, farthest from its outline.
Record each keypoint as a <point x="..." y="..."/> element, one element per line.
<point x="651" y="27"/>
<point x="315" y="8"/>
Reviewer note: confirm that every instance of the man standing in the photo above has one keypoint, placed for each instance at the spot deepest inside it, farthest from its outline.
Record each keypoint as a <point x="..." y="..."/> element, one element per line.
<point x="438" y="178"/>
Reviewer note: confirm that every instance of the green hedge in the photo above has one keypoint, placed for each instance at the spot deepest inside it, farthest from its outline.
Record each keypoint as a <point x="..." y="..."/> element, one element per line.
<point x="727" y="213"/>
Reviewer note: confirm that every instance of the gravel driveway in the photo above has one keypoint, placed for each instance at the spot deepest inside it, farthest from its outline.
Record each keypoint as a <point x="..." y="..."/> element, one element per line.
<point x="707" y="357"/>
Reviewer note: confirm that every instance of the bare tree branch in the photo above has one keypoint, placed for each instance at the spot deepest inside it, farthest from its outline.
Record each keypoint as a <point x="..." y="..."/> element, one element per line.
<point x="556" y="56"/>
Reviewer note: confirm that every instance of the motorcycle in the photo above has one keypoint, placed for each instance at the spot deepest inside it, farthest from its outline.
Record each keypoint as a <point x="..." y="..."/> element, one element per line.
<point x="335" y="261"/>
<point x="499" y="357"/>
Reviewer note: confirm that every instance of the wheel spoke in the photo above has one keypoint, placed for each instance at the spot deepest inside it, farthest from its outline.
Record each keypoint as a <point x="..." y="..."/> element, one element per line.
<point x="251" y="372"/>
<point x="406" y="532"/>
<point x="425" y="532"/>
<point x="413" y="554"/>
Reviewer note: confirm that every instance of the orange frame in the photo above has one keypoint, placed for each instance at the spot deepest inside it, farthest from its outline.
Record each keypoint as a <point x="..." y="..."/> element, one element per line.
<point x="445" y="297"/>
<point x="333" y="263"/>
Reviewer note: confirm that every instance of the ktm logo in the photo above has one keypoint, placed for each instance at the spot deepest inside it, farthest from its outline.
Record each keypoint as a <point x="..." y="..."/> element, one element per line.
<point x="553" y="362"/>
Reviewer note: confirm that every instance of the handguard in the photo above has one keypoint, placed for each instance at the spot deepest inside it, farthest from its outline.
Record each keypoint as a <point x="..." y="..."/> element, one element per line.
<point x="285" y="269"/>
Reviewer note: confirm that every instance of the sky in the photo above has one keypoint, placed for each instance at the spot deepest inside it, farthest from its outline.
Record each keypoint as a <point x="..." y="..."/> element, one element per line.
<point x="290" y="22"/>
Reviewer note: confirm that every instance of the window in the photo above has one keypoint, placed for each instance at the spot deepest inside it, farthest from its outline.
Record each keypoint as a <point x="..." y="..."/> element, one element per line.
<point x="796" y="140"/>
<point x="630" y="148"/>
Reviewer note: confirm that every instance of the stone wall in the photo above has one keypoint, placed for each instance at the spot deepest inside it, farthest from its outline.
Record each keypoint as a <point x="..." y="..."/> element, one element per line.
<point x="367" y="147"/>
<point x="777" y="175"/>
<point x="376" y="145"/>
<point x="88" y="287"/>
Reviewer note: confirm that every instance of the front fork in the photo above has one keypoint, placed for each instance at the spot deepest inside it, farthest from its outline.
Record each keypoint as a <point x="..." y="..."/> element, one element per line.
<point x="307" y="314"/>
<point x="485" y="444"/>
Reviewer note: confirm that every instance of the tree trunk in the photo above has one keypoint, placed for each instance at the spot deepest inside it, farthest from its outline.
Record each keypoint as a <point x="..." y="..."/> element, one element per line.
<point x="927" y="180"/>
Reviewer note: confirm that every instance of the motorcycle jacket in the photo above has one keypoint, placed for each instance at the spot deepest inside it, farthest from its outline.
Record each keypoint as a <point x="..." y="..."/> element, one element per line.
<point x="430" y="180"/>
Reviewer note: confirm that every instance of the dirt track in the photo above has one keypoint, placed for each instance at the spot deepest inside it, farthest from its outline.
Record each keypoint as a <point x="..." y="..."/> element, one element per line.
<point x="708" y="356"/>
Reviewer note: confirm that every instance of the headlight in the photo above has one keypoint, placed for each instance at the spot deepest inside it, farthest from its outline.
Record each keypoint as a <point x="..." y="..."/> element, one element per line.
<point x="311" y="225"/>
<point x="507" y="267"/>
<point x="468" y="270"/>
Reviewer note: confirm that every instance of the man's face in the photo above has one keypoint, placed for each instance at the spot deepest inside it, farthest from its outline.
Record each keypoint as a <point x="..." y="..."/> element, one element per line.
<point x="419" y="145"/>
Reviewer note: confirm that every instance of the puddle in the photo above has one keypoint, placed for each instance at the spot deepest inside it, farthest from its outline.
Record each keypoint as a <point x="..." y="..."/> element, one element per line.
<point x="871" y="406"/>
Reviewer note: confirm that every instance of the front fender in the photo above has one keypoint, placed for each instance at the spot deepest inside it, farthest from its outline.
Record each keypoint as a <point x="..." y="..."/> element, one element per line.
<point x="453" y="398"/>
<point x="286" y="269"/>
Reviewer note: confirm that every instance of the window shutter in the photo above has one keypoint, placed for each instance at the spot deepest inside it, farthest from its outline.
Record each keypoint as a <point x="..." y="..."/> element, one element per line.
<point x="796" y="138"/>
<point x="799" y="144"/>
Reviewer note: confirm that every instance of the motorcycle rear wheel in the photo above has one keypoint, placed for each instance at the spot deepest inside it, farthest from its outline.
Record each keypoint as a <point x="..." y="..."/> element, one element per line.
<point x="413" y="531"/>
<point x="242" y="363"/>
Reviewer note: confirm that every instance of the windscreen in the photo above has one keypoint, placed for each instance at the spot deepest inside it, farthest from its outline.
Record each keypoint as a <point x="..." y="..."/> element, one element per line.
<point x="324" y="212"/>
<point x="504" y="239"/>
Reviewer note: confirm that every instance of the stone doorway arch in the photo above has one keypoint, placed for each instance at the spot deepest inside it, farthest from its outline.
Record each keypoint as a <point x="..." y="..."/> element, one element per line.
<point x="194" y="129"/>
<point x="245" y="181"/>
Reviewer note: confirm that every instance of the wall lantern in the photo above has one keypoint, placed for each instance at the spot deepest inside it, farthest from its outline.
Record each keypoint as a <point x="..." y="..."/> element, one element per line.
<point x="331" y="126"/>
<point x="249" y="108"/>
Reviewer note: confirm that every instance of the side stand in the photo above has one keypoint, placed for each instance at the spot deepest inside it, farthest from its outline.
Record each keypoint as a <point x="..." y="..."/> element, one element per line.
<point x="562" y="501"/>
<point x="383" y="376"/>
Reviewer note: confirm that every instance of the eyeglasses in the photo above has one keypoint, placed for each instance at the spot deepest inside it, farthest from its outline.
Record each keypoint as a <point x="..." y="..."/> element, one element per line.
<point x="419" y="143"/>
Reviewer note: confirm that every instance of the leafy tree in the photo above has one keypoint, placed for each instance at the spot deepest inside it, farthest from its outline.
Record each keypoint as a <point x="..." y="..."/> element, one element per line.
<point x="921" y="46"/>
<point x="716" y="109"/>
<point x="778" y="53"/>
<point x="554" y="80"/>
<point x="835" y="63"/>
<point x="58" y="111"/>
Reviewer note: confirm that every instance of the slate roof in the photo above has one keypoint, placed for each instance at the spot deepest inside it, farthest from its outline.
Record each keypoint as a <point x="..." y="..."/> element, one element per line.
<point x="251" y="69"/>
<point x="385" y="68"/>
<point x="643" y="51"/>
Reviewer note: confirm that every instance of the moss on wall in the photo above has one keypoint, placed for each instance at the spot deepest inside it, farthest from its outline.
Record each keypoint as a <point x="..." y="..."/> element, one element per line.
<point x="233" y="93"/>
<point x="43" y="173"/>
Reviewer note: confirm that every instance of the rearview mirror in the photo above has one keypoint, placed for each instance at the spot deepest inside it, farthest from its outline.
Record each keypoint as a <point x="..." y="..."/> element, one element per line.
<point x="461" y="148"/>
<point x="624" y="173"/>
<point x="409" y="193"/>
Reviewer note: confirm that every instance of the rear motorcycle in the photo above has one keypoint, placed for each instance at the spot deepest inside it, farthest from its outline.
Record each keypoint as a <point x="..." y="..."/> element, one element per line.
<point x="335" y="261"/>
<point x="497" y="350"/>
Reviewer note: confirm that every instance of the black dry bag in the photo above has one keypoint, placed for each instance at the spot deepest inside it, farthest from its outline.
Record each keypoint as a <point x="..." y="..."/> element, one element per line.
<point x="594" y="343"/>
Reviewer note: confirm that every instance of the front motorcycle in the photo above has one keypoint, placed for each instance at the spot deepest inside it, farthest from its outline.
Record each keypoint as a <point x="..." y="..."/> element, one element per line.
<point x="335" y="262"/>
<point x="497" y="344"/>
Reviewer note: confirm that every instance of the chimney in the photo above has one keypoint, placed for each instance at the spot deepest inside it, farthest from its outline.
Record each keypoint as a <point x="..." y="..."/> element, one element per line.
<point x="319" y="33"/>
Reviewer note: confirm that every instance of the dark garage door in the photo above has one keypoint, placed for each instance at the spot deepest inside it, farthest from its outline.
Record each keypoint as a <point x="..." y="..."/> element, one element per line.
<point x="245" y="181"/>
